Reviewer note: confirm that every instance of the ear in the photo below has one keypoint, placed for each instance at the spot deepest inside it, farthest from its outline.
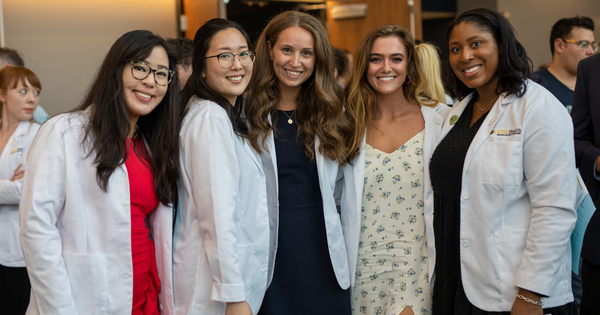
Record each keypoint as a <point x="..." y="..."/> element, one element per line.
<point x="2" y="98"/>
<point x="270" y="50"/>
<point x="559" y="45"/>
<point x="335" y="72"/>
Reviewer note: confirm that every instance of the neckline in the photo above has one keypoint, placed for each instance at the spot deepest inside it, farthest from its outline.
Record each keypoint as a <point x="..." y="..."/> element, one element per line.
<point x="395" y="150"/>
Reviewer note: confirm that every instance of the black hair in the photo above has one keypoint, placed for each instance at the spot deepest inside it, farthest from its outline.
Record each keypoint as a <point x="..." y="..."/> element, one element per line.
<point x="182" y="48"/>
<point x="11" y="57"/>
<point x="108" y="126"/>
<point x="562" y="29"/>
<point x="196" y="84"/>
<point x="342" y="62"/>
<point x="514" y="67"/>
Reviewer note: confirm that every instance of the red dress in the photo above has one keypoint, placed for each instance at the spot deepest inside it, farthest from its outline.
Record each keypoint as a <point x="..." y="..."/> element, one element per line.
<point x="146" y="284"/>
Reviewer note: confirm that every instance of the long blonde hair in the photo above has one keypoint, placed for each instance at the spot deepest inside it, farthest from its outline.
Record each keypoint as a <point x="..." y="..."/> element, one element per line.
<point x="321" y="98"/>
<point x="424" y="84"/>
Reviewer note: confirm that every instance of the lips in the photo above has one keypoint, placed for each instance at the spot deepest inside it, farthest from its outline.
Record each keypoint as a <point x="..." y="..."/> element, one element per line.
<point x="386" y="78"/>
<point x="471" y="70"/>
<point x="235" y="79"/>
<point x="293" y="73"/>
<point x="143" y="96"/>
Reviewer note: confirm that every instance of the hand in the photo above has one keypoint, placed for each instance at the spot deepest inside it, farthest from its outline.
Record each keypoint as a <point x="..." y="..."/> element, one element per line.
<point x="18" y="173"/>
<point x="238" y="308"/>
<point x="521" y="307"/>
<point x="598" y="164"/>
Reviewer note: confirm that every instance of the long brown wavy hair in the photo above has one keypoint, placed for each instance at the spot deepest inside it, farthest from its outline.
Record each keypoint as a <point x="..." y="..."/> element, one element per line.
<point x="321" y="99"/>
<point x="424" y="85"/>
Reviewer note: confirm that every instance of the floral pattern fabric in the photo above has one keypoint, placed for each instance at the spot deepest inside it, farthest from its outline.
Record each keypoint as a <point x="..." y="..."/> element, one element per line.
<point x="392" y="264"/>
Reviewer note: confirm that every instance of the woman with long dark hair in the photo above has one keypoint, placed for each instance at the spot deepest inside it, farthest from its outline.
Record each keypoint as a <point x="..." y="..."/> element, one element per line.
<point x="19" y="95"/>
<point x="295" y="114"/>
<point x="221" y="244"/>
<point x="504" y="181"/>
<point x="94" y="177"/>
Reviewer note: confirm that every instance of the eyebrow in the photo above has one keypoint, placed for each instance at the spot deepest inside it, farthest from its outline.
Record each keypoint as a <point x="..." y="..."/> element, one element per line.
<point x="228" y="48"/>
<point x="468" y="40"/>
<point x="396" y="54"/>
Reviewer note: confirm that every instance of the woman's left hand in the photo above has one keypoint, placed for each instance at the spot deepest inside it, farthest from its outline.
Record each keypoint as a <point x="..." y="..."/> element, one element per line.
<point x="18" y="173"/>
<point x="522" y="307"/>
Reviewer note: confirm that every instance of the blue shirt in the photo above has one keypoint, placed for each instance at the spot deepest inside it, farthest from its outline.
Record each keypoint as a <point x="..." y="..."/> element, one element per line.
<point x="560" y="91"/>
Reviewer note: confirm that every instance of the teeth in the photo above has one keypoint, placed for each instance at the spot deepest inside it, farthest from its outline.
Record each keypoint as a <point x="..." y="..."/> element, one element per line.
<point x="293" y="72"/>
<point x="471" y="70"/>
<point x="144" y="95"/>
<point x="239" y="77"/>
<point x="386" y="78"/>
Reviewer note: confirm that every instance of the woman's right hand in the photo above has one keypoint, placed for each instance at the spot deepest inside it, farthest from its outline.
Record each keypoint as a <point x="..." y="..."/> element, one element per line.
<point x="238" y="308"/>
<point x="18" y="173"/>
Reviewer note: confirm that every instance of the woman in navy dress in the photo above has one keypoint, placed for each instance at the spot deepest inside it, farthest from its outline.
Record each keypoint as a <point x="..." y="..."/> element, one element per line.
<point x="295" y="113"/>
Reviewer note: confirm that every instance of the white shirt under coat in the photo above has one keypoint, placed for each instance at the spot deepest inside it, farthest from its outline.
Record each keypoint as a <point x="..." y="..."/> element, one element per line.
<point x="517" y="202"/>
<point x="222" y="250"/>
<point x="434" y="118"/>
<point x="13" y="155"/>
<point x="76" y="238"/>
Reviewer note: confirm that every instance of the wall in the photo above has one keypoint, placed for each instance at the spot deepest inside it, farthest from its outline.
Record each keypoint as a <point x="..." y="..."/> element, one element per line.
<point x="348" y="33"/>
<point x="64" y="41"/>
<point x="533" y="20"/>
<point x="197" y="12"/>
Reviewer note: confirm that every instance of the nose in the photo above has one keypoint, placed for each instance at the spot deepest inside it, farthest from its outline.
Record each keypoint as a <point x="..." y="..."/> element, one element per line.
<point x="150" y="80"/>
<point x="386" y="66"/>
<point x="466" y="55"/>
<point x="237" y="64"/>
<point x="295" y="62"/>
<point x="590" y="50"/>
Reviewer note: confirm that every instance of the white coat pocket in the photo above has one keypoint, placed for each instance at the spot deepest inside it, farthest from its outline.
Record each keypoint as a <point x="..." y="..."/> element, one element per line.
<point x="88" y="277"/>
<point x="509" y="250"/>
<point x="503" y="163"/>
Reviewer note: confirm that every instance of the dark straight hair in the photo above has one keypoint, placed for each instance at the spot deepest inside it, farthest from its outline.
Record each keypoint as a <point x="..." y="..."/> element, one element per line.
<point x="106" y="130"/>
<point x="196" y="84"/>
<point x="514" y="66"/>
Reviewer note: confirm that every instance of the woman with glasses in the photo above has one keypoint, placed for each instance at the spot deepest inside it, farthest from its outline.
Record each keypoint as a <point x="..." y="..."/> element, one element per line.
<point x="96" y="209"/>
<point x="221" y="242"/>
<point x="19" y="96"/>
<point x="504" y="182"/>
<point x="295" y="113"/>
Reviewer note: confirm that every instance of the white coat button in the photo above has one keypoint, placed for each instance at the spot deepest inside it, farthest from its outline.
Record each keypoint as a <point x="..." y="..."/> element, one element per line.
<point x="465" y="243"/>
<point x="330" y="244"/>
<point x="438" y="121"/>
<point x="492" y="122"/>
<point x="465" y="196"/>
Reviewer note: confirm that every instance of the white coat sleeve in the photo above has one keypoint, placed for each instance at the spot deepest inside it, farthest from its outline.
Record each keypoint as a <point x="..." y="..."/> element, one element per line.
<point x="549" y="170"/>
<point x="210" y="149"/>
<point x="42" y="202"/>
<point x="10" y="191"/>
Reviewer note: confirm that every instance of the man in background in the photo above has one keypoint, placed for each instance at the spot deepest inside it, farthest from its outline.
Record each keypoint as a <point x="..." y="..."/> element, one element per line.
<point x="571" y="40"/>
<point x="10" y="58"/>
<point x="183" y="53"/>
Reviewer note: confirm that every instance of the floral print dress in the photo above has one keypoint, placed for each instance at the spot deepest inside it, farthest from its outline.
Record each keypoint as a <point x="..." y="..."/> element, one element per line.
<point x="392" y="265"/>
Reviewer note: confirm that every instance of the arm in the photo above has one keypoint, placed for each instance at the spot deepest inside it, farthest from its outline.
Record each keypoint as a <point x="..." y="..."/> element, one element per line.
<point x="586" y="151"/>
<point x="10" y="190"/>
<point x="41" y="204"/>
<point x="550" y="179"/>
<point x="214" y="173"/>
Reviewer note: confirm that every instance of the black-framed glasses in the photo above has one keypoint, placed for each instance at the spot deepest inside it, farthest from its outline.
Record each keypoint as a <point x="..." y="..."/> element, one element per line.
<point x="583" y="44"/>
<point x="141" y="70"/>
<point x="226" y="59"/>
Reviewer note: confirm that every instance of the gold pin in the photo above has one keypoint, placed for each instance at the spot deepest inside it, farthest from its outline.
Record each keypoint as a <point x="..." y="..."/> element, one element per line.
<point x="453" y="120"/>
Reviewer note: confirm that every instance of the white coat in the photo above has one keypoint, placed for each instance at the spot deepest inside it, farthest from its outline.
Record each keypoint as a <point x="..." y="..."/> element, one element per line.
<point x="434" y="118"/>
<point x="14" y="154"/>
<point x="222" y="234"/>
<point x="76" y="238"/>
<point x="339" y="226"/>
<point x="517" y="207"/>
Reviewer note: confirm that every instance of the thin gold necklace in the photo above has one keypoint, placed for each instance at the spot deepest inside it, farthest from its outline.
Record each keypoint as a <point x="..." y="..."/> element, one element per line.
<point x="488" y="105"/>
<point x="393" y="121"/>
<point x="290" y="120"/>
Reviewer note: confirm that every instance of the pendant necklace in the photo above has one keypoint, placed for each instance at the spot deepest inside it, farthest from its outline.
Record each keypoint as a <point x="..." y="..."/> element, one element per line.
<point x="393" y="121"/>
<point x="290" y="120"/>
<point x="488" y="105"/>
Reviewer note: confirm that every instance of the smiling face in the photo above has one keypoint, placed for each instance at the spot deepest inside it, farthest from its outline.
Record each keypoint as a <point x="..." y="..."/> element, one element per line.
<point x="20" y="103"/>
<point x="387" y="66"/>
<point x="293" y="57"/>
<point x="474" y="57"/>
<point x="227" y="82"/>
<point x="142" y="96"/>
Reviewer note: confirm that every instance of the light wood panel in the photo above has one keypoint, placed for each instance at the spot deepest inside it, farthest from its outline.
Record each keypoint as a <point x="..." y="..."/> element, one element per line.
<point x="197" y="13"/>
<point x="348" y="33"/>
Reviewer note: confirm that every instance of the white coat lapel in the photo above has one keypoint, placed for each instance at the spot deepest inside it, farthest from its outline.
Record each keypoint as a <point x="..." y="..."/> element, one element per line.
<point x="250" y="151"/>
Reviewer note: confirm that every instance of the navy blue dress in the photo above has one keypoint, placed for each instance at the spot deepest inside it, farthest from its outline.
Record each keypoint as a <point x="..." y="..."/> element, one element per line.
<point x="303" y="281"/>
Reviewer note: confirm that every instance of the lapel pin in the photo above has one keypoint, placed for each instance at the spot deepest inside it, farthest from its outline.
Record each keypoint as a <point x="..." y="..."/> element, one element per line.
<point x="453" y="120"/>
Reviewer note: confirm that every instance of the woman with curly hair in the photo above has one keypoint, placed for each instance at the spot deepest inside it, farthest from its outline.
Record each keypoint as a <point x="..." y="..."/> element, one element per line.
<point x="504" y="181"/>
<point x="294" y="111"/>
